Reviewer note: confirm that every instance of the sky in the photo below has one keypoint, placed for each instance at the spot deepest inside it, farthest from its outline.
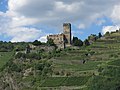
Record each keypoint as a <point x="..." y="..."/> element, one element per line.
<point x="29" y="20"/>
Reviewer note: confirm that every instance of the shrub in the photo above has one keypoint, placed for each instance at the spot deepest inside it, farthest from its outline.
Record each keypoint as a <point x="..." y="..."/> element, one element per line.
<point x="20" y="55"/>
<point x="86" y="42"/>
<point x="36" y="43"/>
<point x="13" y="66"/>
<point x="113" y="55"/>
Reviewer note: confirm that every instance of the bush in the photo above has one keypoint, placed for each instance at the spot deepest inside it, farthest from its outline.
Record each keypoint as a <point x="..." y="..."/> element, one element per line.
<point x="36" y="43"/>
<point x="20" y="55"/>
<point x="14" y="67"/>
<point x="103" y="83"/>
<point x="6" y="46"/>
<point x="92" y="52"/>
<point x="50" y="42"/>
<point x="115" y="62"/>
<point x="100" y="69"/>
<point x="33" y="56"/>
<point x="56" y="73"/>
<point x="44" y="67"/>
<point x="86" y="43"/>
<point x="113" y="55"/>
<point x="77" y="42"/>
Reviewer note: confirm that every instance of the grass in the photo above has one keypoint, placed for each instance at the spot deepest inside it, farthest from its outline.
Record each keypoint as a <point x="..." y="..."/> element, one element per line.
<point x="116" y="62"/>
<point x="75" y="81"/>
<point x="5" y="57"/>
<point x="89" y="65"/>
<point x="64" y="81"/>
<point x="53" y="81"/>
<point x="68" y="57"/>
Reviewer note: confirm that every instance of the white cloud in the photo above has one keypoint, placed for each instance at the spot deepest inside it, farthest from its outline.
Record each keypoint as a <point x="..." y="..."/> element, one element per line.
<point x="82" y="13"/>
<point x="81" y="26"/>
<point x="24" y="34"/>
<point x="100" y="22"/>
<point x="116" y="14"/>
<point x="43" y="39"/>
<point x="109" y="29"/>
<point x="10" y="27"/>
<point x="70" y="8"/>
<point x="59" y="11"/>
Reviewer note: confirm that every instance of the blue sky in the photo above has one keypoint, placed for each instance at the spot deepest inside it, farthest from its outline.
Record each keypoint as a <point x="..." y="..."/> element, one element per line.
<point x="3" y="5"/>
<point x="28" y="20"/>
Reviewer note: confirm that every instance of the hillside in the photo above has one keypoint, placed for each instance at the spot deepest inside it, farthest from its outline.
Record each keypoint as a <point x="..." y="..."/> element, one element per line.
<point x="94" y="67"/>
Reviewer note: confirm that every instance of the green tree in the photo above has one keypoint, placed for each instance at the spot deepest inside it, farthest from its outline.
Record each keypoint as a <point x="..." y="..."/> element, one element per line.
<point x="92" y="37"/>
<point x="36" y="43"/>
<point x="86" y="42"/>
<point x="99" y="35"/>
<point x="117" y="31"/>
<point x="107" y="34"/>
<point x="6" y="46"/>
<point x="74" y="39"/>
<point x="50" y="42"/>
<point x="77" y="42"/>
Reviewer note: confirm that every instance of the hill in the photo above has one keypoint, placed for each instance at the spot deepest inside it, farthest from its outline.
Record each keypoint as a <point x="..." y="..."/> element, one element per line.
<point x="94" y="67"/>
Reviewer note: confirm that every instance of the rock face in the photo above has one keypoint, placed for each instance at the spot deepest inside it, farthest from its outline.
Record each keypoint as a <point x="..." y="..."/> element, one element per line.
<point x="64" y="39"/>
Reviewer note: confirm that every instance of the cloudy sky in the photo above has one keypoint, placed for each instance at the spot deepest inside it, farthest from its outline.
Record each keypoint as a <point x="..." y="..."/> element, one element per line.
<point x="28" y="20"/>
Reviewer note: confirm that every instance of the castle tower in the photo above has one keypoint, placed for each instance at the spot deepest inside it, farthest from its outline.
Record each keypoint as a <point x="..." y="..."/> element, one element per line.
<point x="67" y="33"/>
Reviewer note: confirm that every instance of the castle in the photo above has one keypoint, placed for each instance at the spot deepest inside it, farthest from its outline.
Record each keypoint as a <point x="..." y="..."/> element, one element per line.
<point x="64" y="39"/>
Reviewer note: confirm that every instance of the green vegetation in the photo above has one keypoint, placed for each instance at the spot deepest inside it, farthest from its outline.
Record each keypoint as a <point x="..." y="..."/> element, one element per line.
<point x="50" y="42"/>
<point x="93" y="65"/>
<point x="64" y="81"/>
<point x="116" y="62"/>
<point x="108" y="78"/>
<point x="4" y="58"/>
<point x="86" y="42"/>
<point x="5" y="47"/>
<point x="77" y="66"/>
<point x="36" y="43"/>
<point x="77" y="42"/>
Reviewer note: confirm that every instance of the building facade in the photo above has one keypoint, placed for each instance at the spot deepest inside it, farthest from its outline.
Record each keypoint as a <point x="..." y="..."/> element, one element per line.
<point x="64" y="39"/>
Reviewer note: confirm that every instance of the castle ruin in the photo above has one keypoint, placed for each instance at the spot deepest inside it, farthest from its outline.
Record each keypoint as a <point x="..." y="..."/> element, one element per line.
<point x="64" y="39"/>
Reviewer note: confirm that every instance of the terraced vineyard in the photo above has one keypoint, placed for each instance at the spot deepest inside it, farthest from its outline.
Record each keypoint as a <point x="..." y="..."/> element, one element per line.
<point x="102" y="64"/>
<point x="64" y="81"/>
<point x="94" y="67"/>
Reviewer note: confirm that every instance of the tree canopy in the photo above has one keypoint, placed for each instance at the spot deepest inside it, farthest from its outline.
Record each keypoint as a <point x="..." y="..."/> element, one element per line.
<point x="77" y="42"/>
<point x="99" y="35"/>
<point x="36" y="43"/>
<point x="86" y="42"/>
<point x="50" y="42"/>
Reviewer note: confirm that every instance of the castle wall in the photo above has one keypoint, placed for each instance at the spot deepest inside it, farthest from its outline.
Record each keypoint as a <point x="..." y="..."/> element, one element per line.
<point x="57" y="39"/>
<point x="62" y="40"/>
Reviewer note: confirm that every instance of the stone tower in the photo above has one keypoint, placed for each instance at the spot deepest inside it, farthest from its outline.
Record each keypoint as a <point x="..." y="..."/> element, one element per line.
<point x="67" y="33"/>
